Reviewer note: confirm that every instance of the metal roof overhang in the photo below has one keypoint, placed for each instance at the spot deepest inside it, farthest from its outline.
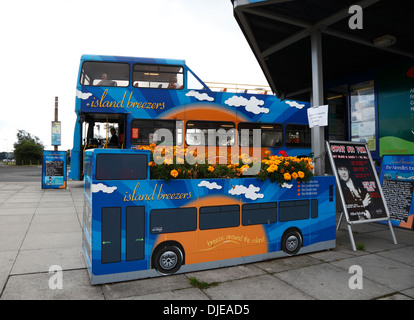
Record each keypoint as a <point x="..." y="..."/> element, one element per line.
<point x="279" y="33"/>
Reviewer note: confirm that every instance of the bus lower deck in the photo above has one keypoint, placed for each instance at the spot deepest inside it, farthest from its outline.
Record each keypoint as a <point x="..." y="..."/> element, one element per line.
<point x="136" y="227"/>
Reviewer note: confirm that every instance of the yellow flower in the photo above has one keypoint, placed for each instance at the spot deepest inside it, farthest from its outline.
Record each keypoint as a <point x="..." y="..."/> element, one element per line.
<point x="152" y="164"/>
<point x="168" y="161"/>
<point x="211" y="169"/>
<point x="301" y="174"/>
<point x="294" y="175"/>
<point x="272" y="168"/>
<point x="244" y="168"/>
<point x="174" y="173"/>
<point x="287" y="176"/>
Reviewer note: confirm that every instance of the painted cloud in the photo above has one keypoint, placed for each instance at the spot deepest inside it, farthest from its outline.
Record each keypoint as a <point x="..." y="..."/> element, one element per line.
<point x="209" y="185"/>
<point x="83" y="96"/>
<point x="294" y="104"/>
<point x="251" y="105"/>
<point x="287" y="185"/>
<point x="199" y="96"/>
<point x="101" y="187"/>
<point x="249" y="193"/>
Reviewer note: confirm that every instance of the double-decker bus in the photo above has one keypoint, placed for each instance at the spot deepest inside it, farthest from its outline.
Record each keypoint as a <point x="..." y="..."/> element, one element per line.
<point x="137" y="227"/>
<point x="133" y="97"/>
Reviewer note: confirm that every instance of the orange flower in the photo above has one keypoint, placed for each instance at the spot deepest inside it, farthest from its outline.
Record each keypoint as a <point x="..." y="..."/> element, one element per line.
<point x="168" y="161"/>
<point x="210" y="169"/>
<point x="301" y="174"/>
<point x="272" y="168"/>
<point x="294" y="175"/>
<point x="287" y="176"/>
<point x="174" y="173"/>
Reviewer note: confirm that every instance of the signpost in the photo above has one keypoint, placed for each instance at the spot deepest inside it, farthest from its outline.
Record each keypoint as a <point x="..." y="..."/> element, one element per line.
<point x="397" y="180"/>
<point x="54" y="174"/>
<point x="56" y="133"/>
<point x="358" y="185"/>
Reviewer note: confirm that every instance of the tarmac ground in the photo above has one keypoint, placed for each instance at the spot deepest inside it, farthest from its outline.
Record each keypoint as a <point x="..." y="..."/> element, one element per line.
<point x="40" y="229"/>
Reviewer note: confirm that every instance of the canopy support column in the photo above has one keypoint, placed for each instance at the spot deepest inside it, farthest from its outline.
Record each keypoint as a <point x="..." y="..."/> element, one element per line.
<point x="317" y="133"/>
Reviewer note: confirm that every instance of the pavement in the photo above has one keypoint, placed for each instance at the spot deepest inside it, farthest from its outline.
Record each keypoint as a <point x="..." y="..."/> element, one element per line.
<point x="40" y="229"/>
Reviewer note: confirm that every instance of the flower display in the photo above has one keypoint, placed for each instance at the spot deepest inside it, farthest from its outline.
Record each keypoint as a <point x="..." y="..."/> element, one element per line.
<point x="170" y="163"/>
<point x="283" y="169"/>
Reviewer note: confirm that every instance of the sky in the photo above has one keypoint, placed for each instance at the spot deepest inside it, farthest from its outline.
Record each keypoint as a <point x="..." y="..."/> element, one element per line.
<point x="42" y="42"/>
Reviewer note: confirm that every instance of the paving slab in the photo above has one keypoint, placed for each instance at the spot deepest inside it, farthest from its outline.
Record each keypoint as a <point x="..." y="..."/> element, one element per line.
<point x="404" y="255"/>
<point x="7" y="259"/>
<point x="226" y="274"/>
<point x="393" y="274"/>
<point x="288" y="263"/>
<point x="40" y="260"/>
<point x="75" y="286"/>
<point x="329" y="282"/>
<point x="180" y="294"/>
<point x="265" y="287"/>
<point x="52" y="240"/>
<point x="143" y="287"/>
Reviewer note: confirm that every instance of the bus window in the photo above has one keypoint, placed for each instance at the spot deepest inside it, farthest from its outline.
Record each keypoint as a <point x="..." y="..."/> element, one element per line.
<point x="121" y="167"/>
<point x="293" y="210"/>
<point x="143" y="131"/>
<point x="259" y="213"/>
<point x="314" y="208"/>
<point x="271" y="134"/>
<point x="158" y="76"/>
<point x="173" y="220"/>
<point x="216" y="217"/>
<point x="106" y="74"/>
<point x="298" y="135"/>
<point x="211" y="133"/>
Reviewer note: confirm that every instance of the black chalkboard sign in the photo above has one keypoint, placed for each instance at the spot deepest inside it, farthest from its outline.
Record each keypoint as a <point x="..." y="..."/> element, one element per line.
<point x="358" y="184"/>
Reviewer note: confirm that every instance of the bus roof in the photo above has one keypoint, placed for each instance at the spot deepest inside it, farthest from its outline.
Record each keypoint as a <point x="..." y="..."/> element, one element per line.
<point x="90" y="57"/>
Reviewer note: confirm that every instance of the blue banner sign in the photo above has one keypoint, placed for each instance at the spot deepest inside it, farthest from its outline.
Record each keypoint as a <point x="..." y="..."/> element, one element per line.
<point x="397" y="179"/>
<point x="54" y="170"/>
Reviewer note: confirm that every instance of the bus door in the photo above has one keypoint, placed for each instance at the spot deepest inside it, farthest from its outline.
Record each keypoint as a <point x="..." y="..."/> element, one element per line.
<point x="101" y="130"/>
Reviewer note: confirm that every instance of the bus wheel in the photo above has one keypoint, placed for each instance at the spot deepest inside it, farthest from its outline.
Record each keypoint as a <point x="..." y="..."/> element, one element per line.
<point x="291" y="242"/>
<point x="168" y="259"/>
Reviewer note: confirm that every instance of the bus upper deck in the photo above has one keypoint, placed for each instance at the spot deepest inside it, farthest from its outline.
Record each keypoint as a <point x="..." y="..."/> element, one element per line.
<point x="137" y="96"/>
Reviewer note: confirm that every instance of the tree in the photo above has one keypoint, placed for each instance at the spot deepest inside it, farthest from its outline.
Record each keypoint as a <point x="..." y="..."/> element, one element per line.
<point x="28" y="148"/>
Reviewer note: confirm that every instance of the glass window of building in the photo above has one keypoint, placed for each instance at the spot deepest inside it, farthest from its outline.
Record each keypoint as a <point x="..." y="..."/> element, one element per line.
<point x="363" y="126"/>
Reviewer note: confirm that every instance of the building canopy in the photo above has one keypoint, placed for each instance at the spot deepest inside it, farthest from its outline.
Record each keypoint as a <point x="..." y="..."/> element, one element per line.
<point x="279" y="33"/>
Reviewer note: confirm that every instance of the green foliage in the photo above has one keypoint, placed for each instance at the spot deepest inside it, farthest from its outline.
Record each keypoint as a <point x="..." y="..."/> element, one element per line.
<point x="28" y="148"/>
<point x="201" y="284"/>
